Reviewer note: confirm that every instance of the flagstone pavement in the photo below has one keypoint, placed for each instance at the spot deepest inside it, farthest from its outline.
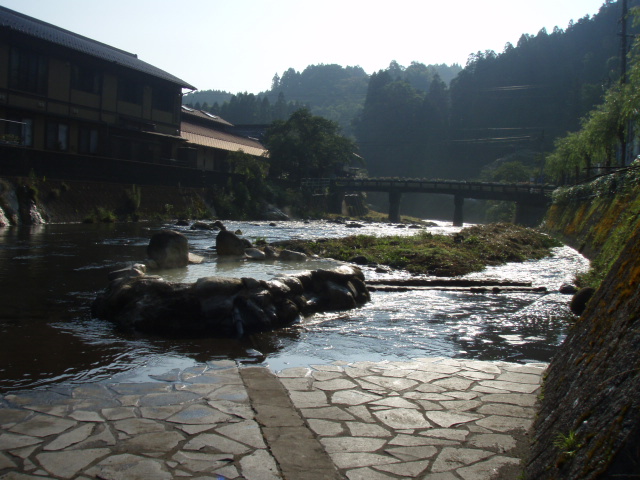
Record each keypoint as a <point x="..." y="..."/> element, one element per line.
<point x="428" y="418"/>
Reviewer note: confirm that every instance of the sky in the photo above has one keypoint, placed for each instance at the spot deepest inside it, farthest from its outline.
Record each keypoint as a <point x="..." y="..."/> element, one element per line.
<point x="239" y="45"/>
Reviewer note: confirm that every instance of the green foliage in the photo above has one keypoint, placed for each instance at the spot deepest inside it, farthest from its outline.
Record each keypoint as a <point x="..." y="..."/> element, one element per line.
<point x="567" y="444"/>
<point x="440" y="255"/>
<point x="307" y="146"/>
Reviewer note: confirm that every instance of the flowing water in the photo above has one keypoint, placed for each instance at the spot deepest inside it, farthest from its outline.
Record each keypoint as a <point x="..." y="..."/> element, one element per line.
<point x="50" y="274"/>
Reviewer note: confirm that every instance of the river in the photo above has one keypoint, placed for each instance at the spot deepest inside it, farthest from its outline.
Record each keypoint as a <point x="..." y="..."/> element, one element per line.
<point x="49" y="275"/>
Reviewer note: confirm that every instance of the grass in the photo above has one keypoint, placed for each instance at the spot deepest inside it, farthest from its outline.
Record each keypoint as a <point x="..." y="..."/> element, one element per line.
<point x="442" y="255"/>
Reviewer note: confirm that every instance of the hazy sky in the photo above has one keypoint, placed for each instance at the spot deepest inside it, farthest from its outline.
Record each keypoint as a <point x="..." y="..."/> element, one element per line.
<point x="238" y="45"/>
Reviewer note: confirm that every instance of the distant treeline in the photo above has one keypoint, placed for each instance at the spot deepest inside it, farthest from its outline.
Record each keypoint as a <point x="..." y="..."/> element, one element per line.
<point x="447" y="121"/>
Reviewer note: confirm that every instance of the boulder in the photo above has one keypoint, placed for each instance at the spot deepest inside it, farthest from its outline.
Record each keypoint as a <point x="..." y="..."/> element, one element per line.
<point x="291" y="256"/>
<point x="228" y="243"/>
<point x="580" y="299"/>
<point x="255" y="254"/>
<point x="226" y="307"/>
<point x="169" y="249"/>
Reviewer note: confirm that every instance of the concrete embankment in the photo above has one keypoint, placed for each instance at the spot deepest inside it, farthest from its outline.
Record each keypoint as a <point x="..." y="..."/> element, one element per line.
<point x="588" y="425"/>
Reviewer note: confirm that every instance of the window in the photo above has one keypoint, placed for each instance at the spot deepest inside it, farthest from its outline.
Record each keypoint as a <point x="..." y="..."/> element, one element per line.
<point x="57" y="136"/>
<point x="28" y="71"/>
<point x="164" y="99"/>
<point x="88" y="141"/>
<point x="130" y="91"/>
<point x="18" y="130"/>
<point x="86" y="79"/>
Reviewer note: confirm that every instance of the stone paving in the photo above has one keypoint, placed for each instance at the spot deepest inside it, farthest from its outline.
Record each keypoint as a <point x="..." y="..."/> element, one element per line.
<point x="431" y="418"/>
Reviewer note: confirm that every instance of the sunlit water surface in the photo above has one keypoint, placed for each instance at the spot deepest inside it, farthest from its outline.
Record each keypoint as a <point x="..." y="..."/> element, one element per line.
<point x="50" y="274"/>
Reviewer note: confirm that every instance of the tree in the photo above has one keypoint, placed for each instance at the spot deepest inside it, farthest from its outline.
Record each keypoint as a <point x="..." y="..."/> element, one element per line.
<point x="307" y="146"/>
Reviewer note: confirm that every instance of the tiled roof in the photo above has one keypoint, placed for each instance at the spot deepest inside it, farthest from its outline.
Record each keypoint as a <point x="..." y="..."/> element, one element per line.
<point x="186" y="111"/>
<point x="26" y="25"/>
<point x="209" y="137"/>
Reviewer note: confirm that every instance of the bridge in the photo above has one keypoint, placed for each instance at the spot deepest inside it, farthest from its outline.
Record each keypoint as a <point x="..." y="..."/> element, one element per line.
<point x="531" y="198"/>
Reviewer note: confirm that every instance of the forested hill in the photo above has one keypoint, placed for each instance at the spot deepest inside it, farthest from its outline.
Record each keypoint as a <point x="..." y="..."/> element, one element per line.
<point x="331" y="91"/>
<point x="510" y="105"/>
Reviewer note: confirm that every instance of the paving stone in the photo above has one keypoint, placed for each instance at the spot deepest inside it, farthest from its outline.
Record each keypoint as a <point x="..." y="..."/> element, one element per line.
<point x="202" y="462"/>
<point x="9" y="441"/>
<point x="510" y="398"/>
<point x="473" y="375"/>
<point x="300" y="384"/>
<point x="129" y="467"/>
<point x="487" y="367"/>
<point x="167" y="398"/>
<point x="394" y="402"/>
<point x="20" y="476"/>
<point x="247" y="432"/>
<point x="137" y="426"/>
<point x="409" y="454"/>
<point x="353" y="397"/>
<point x="358" y="429"/>
<point x="76" y="435"/>
<point x="360" y="459"/>
<point x="500" y="423"/>
<point x="231" y="393"/>
<point x="402" y="418"/>
<point x="102" y="438"/>
<point x="448" y="433"/>
<point x="405" y="469"/>
<point x="367" y="473"/>
<point x="235" y="409"/>
<point x="507" y="410"/>
<point x="296" y="372"/>
<point x="160" y="413"/>
<point x="325" y="376"/>
<point x="328" y="368"/>
<point x="199" y="415"/>
<point x="10" y="416"/>
<point x="451" y="458"/>
<point x="361" y="412"/>
<point x="325" y="428"/>
<point x="309" y="399"/>
<point x="259" y="466"/>
<point x="334" y="385"/>
<point x="448" y="419"/>
<point x="487" y="469"/>
<point x="454" y="383"/>
<point x="6" y="462"/>
<point x="389" y="383"/>
<point x="43" y="426"/>
<point x="426" y="377"/>
<point x="510" y="386"/>
<point x="519" y="378"/>
<point x="329" y="413"/>
<point x="208" y="441"/>
<point x="460" y="405"/>
<point x="86" y="416"/>
<point x="440" y="476"/>
<point x="118" y="413"/>
<point x="153" y="442"/>
<point x="412" y="441"/>
<point x="352" y="444"/>
<point x="69" y="463"/>
<point x="502" y="443"/>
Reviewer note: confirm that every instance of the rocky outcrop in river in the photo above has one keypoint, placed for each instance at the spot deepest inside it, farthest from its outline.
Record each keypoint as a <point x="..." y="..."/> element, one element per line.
<point x="227" y="307"/>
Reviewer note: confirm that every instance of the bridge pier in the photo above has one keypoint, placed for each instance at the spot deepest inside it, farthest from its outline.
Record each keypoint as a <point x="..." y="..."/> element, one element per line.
<point x="394" y="206"/>
<point x="458" y="203"/>
<point x="336" y="202"/>
<point x="529" y="215"/>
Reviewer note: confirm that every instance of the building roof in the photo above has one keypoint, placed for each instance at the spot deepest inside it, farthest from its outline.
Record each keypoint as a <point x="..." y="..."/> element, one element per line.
<point x="32" y="27"/>
<point x="209" y="117"/>
<point x="209" y="137"/>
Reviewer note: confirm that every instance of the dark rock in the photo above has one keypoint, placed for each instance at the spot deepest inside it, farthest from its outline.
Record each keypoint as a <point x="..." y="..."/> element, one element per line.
<point x="169" y="249"/>
<point x="182" y="223"/>
<point x="201" y="226"/>
<point x="223" y="307"/>
<point x="580" y="299"/>
<point x="291" y="256"/>
<point x="359" y="260"/>
<point x="568" y="289"/>
<point x="270" y="252"/>
<point x="219" y="225"/>
<point x="228" y="243"/>
<point x="354" y="225"/>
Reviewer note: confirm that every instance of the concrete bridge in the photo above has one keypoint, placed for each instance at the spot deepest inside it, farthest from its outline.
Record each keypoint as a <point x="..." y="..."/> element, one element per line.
<point x="531" y="198"/>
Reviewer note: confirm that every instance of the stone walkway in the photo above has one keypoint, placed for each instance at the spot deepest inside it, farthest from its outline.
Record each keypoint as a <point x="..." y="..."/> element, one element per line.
<point x="433" y="419"/>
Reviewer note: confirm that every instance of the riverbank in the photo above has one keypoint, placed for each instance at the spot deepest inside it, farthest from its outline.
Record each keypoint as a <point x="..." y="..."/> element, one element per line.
<point x="471" y="250"/>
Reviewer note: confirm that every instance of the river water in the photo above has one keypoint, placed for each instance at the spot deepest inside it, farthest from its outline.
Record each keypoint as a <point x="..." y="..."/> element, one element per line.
<point x="49" y="275"/>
